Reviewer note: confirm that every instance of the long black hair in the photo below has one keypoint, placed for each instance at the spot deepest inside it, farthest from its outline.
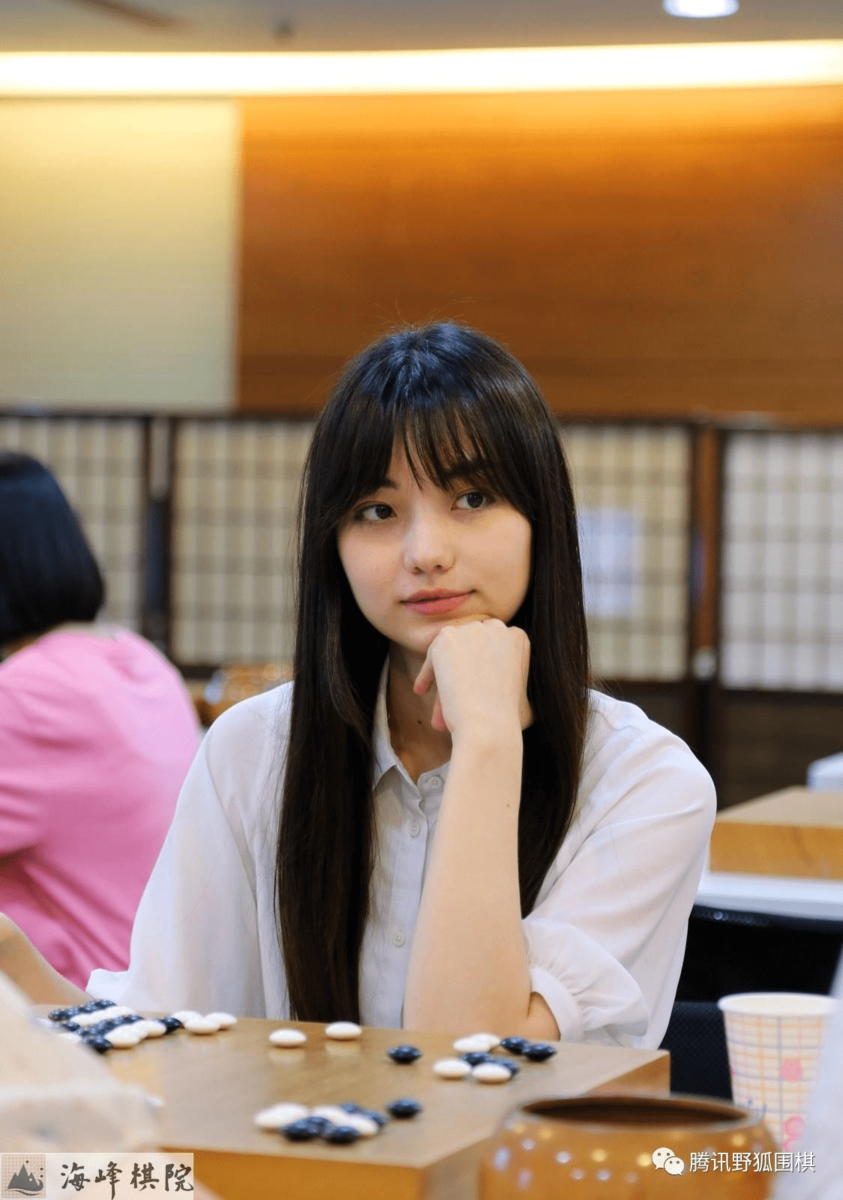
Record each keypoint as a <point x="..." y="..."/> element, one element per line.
<point x="48" y="573"/>
<point x="449" y="396"/>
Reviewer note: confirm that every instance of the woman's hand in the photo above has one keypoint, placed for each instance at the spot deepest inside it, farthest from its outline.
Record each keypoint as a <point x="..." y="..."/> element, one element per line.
<point x="480" y="669"/>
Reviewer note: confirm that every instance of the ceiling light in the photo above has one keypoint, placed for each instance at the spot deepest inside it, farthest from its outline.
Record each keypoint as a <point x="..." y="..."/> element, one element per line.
<point x="569" y="69"/>
<point x="700" y="8"/>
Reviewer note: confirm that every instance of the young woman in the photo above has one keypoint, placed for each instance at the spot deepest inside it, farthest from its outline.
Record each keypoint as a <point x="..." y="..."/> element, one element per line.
<point x="96" y="735"/>
<point x="437" y="825"/>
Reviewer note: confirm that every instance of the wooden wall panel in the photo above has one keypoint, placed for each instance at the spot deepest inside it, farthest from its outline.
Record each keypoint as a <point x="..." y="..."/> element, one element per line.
<point x="650" y="253"/>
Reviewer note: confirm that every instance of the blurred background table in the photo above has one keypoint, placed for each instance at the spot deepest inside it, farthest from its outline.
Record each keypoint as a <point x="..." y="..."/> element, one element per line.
<point x="781" y="853"/>
<point x="213" y="1086"/>
<point x="769" y="910"/>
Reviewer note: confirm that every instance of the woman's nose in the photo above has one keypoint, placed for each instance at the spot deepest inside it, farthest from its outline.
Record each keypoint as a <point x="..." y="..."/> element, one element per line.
<point x="428" y="545"/>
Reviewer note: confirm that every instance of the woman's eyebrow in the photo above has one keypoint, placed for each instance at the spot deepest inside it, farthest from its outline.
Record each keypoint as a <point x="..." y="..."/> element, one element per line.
<point x="469" y="471"/>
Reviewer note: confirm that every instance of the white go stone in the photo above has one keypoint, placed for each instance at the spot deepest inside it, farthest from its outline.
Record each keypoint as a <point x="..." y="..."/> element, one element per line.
<point x="288" y="1037"/>
<point x="223" y="1020"/>
<point x="70" y="1036"/>
<point x="151" y="1028"/>
<point x="365" y="1126"/>
<point x="83" y="1020"/>
<point x="491" y="1039"/>
<point x="331" y="1112"/>
<point x="123" y="1037"/>
<point x="280" y="1115"/>
<point x="451" y="1068"/>
<point x="186" y="1014"/>
<point x="491" y="1073"/>
<point x="343" y="1031"/>
<point x="476" y="1044"/>
<point x="201" y="1025"/>
<point x="116" y="1010"/>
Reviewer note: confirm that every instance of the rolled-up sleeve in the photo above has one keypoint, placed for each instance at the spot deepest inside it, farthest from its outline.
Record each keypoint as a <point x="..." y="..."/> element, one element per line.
<point x="606" y="939"/>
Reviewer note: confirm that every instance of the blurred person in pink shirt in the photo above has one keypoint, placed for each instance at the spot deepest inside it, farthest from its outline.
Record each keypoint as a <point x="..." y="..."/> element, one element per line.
<point x="96" y="735"/>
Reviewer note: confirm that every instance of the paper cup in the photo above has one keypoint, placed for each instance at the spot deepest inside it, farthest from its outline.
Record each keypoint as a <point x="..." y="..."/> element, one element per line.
<point x="774" y="1041"/>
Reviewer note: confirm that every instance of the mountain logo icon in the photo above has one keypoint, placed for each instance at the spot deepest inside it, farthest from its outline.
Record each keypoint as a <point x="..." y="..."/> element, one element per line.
<point x="24" y="1183"/>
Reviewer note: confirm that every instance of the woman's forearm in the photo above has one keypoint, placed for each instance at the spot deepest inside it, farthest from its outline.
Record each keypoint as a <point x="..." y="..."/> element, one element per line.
<point x="468" y="966"/>
<point x="30" y="971"/>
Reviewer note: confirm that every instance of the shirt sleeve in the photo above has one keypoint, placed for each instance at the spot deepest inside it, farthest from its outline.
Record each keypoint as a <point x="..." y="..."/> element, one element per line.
<point x="606" y="939"/>
<point x="21" y="802"/>
<point x="194" y="940"/>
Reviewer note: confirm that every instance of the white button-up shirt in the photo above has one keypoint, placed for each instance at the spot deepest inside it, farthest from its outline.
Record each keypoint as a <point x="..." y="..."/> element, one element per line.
<point x="605" y="940"/>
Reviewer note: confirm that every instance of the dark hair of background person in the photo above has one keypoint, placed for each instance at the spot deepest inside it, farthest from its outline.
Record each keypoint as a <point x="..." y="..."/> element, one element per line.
<point x="451" y="397"/>
<point x="48" y="574"/>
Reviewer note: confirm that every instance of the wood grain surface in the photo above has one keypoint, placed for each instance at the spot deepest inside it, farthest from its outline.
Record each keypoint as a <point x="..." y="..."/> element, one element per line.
<point x="795" y="832"/>
<point x="643" y="253"/>
<point x="213" y="1086"/>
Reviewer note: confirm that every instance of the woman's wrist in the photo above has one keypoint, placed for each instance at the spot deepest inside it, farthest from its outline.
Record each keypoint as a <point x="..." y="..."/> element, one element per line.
<point x="496" y="734"/>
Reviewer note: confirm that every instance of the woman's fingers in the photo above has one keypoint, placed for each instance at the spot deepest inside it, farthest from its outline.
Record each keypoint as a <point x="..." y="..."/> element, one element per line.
<point x="479" y="670"/>
<point x="425" y="676"/>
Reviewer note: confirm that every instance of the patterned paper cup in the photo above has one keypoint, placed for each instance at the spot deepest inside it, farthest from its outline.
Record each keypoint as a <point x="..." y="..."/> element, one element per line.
<point x="774" y="1041"/>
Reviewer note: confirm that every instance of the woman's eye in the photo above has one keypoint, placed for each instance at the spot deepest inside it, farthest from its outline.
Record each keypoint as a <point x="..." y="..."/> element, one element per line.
<point x="474" y="500"/>
<point x="373" y="513"/>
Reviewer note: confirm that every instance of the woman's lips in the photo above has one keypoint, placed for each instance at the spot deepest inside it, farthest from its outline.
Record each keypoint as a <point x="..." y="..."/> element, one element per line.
<point x="438" y="604"/>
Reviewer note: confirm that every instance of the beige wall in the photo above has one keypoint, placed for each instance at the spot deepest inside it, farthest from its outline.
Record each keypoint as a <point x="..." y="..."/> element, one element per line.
<point x="118" y="245"/>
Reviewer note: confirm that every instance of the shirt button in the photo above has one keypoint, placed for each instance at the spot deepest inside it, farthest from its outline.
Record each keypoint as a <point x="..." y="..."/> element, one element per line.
<point x="415" y="829"/>
<point x="436" y="782"/>
<point x="399" y="939"/>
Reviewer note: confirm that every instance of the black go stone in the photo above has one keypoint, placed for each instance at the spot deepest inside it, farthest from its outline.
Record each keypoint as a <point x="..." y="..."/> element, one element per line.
<point x="129" y="1019"/>
<point x="319" y="1125"/>
<point x="94" y="1006"/>
<point x="340" y="1135"/>
<point x="350" y="1108"/>
<point x="403" y="1109"/>
<point x="514" y="1045"/>
<point x="539" y="1051"/>
<point x="103" y="1026"/>
<point x="172" y="1024"/>
<point x="511" y="1065"/>
<point x="71" y="1026"/>
<point x="373" y="1115"/>
<point x="64" y="1014"/>
<point x="404" y="1054"/>
<point x="100" y="1044"/>
<point x="475" y="1057"/>
<point x="300" y="1131"/>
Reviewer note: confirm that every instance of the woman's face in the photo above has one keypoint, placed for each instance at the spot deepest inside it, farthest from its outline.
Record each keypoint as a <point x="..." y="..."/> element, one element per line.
<point x="418" y="557"/>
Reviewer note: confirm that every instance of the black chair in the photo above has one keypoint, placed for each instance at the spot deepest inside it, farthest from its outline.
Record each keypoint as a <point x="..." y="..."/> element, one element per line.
<point x="699" y="1060"/>
<point x="731" y="951"/>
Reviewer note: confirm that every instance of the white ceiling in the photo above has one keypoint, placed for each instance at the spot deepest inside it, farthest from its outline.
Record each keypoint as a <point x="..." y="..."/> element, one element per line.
<point x="399" y="24"/>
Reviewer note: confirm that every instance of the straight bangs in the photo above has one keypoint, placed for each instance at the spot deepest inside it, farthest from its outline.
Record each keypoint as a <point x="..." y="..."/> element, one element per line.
<point x="448" y="436"/>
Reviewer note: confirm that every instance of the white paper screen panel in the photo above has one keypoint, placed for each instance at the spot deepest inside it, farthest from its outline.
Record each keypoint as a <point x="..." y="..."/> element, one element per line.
<point x="99" y="464"/>
<point x="235" y="496"/>
<point x="782" y="572"/>
<point x="633" y="496"/>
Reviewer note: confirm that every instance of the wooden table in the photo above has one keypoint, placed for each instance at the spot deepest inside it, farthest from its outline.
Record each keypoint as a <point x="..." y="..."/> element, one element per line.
<point x="797" y="832"/>
<point x="213" y="1086"/>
